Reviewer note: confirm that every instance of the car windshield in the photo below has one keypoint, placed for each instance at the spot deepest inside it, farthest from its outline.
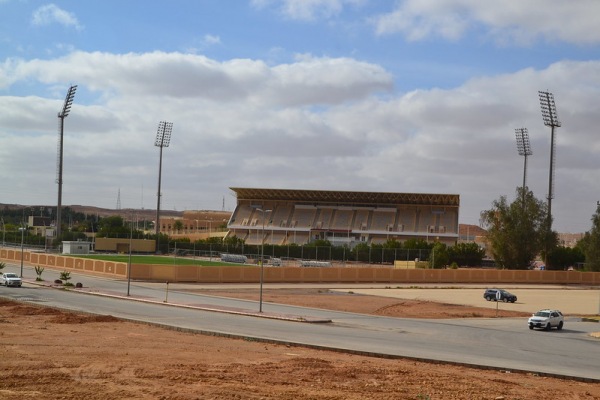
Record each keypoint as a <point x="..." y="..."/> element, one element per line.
<point x="545" y="314"/>
<point x="10" y="275"/>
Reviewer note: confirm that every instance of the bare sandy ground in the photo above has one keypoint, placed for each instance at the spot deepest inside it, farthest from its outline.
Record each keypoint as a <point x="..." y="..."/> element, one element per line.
<point x="50" y="354"/>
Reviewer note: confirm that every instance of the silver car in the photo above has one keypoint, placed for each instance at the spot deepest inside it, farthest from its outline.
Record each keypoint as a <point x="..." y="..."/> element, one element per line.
<point x="10" y="279"/>
<point x="546" y="319"/>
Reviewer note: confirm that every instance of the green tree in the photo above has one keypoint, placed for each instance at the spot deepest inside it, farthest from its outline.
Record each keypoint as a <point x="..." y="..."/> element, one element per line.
<point x="113" y="226"/>
<point x="416" y="244"/>
<point x="468" y="254"/>
<point x="591" y="245"/>
<point x="438" y="257"/>
<point x="392" y="244"/>
<point x="517" y="231"/>
<point x="360" y="252"/>
<point x="319" y="243"/>
<point x="231" y="241"/>
<point x="178" y="226"/>
<point x="564" y="257"/>
<point x="216" y="239"/>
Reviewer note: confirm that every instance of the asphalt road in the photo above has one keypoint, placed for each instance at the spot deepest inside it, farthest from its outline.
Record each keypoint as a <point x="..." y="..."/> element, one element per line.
<point x="503" y="343"/>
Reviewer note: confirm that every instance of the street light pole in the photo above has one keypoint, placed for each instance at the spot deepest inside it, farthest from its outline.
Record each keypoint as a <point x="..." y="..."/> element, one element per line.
<point x="22" y="229"/>
<point x="129" y="263"/>
<point x="262" y="258"/>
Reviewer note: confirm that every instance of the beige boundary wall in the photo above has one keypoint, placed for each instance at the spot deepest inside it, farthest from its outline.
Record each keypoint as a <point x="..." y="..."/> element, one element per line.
<point x="251" y="274"/>
<point x="122" y="245"/>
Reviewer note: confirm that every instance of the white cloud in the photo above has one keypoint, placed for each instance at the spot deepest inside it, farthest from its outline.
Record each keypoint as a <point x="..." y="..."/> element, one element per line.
<point x="315" y="123"/>
<point x="519" y="22"/>
<point x="50" y="13"/>
<point x="211" y="39"/>
<point x="306" y="82"/>
<point x="308" y="10"/>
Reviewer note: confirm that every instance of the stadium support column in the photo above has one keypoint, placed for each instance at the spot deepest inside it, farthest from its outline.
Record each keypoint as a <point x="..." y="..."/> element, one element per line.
<point x="62" y="115"/>
<point x="163" y="139"/>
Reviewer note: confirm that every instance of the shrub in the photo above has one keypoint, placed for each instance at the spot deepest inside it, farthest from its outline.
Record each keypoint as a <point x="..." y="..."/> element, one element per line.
<point x="65" y="276"/>
<point x="38" y="272"/>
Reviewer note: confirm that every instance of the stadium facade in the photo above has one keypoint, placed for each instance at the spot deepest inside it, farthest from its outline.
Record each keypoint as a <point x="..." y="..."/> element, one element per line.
<point x="290" y="216"/>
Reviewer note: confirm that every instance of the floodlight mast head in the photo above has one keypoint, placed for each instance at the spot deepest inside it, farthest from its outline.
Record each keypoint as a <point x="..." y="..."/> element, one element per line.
<point x="549" y="114"/>
<point x="523" y="145"/>
<point x="68" y="102"/>
<point x="163" y="134"/>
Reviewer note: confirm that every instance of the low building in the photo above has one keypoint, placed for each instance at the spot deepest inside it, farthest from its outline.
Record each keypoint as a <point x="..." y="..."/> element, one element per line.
<point x="76" y="247"/>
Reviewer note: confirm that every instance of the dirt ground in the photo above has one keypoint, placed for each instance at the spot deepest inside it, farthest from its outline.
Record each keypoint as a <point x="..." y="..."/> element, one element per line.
<point x="51" y="354"/>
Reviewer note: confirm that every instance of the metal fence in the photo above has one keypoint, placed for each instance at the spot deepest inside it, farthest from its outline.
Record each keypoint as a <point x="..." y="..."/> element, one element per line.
<point x="316" y="253"/>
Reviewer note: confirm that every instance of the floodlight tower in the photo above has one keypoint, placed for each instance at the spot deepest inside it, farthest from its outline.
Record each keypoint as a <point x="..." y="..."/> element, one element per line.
<point x="163" y="138"/>
<point x="550" y="119"/>
<point x="524" y="149"/>
<point x="61" y="116"/>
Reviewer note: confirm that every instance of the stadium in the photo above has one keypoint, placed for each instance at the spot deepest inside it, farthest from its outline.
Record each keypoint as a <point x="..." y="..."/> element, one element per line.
<point x="291" y="216"/>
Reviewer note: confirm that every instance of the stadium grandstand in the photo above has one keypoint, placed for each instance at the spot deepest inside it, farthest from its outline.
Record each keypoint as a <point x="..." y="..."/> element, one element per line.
<point x="289" y="216"/>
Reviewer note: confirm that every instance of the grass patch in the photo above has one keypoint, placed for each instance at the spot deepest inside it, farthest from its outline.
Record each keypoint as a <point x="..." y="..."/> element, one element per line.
<point x="157" y="260"/>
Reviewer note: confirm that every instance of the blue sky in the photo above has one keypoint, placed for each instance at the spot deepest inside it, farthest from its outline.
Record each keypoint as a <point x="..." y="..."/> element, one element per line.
<point x="393" y="96"/>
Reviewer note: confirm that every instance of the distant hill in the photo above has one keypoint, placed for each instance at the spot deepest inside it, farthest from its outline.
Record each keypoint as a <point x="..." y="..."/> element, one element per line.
<point x="146" y="214"/>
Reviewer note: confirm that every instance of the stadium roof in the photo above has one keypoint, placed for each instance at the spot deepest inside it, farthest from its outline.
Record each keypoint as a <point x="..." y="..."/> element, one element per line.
<point x="346" y="198"/>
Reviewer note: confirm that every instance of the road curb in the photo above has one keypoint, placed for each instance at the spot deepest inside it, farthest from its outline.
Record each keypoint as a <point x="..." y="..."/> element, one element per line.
<point x="249" y="313"/>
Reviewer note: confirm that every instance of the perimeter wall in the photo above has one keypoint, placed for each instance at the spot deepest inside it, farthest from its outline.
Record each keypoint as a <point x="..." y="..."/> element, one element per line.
<point x="251" y="274"/>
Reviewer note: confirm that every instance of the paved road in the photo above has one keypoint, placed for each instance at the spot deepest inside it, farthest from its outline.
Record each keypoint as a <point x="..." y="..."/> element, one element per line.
<point x="501" y="343"/>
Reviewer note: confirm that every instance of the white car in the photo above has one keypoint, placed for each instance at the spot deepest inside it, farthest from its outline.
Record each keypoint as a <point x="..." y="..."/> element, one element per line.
<point x="10" y="279"/>
<point x="547" y="319"/>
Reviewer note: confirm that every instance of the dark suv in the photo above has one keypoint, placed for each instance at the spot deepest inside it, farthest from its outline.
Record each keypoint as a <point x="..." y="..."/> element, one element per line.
<point x="499" y="294"/>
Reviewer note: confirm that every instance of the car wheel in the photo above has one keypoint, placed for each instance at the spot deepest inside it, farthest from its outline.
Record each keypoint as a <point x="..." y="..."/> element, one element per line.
<point x="488" y="298"/>
<point x="548" y="326"/>
<point x="505" y="300"/>
<point x="530" y="326"/>
<point x="513" y="300"/>
<point x="560" y="325"/>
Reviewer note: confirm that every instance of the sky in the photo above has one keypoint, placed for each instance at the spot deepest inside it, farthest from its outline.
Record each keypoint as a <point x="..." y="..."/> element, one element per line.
<point x="408" y="96"/>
